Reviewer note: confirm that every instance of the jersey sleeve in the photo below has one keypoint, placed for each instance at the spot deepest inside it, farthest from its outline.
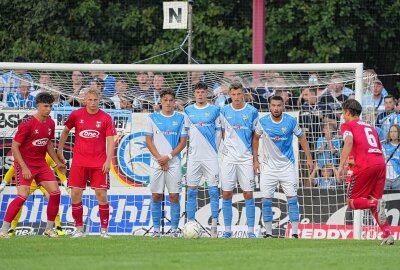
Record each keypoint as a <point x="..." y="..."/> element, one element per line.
<point x="148" y="129"/>
<point x="70" y="123"/>
<point x="184" y="128"/>
<point x="297" y="131"/>
<point x="345" y="130"/>
<point x="255" y="119"/>
<point x="53" y="129"/>
<point x="258" y="129"/>
<point x="222" y="121"/>
<point x="110" y="128"/>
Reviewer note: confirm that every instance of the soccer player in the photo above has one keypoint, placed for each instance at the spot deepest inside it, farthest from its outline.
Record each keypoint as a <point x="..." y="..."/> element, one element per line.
<point x="238" y="121"/>
<point x="29" y="146"/>
<point x="165" y="138"/>
<point x="204" y="137"/>
<point x="362" y="151"/>
<point x="92" y="154"/>
<point x="278" y="164"/>
<point x="34" y="186"/>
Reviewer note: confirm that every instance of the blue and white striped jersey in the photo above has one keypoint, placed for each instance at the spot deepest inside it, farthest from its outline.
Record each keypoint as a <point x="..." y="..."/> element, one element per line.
<point x="238" y="126"/>
<point x="204" y="127"/>
<point x="166" y="131"/>
<point x="277" y="140"/>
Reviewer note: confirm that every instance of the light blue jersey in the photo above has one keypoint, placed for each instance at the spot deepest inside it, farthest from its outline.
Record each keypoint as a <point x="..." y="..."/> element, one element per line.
<point x="238" y="126"/>
<point x="166" y="131"/>
<point x="393" y="166"/>
<point x="277" y="140"/>
<point x="204" y="128"/>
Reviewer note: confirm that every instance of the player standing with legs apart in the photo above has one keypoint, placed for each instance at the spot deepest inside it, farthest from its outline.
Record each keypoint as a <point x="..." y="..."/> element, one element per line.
<point x="362" y="145"/>
<point x="278" y="164"/>
<point x="238" y="123"/>
<point x="165" y="138"/>
<point x="204" y="137"/>
<point x="92" y="153"/>
<point x="29" y="146"/>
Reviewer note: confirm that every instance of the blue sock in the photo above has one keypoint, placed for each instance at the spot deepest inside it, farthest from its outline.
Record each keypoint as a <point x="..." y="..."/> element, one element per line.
<point x="156" y="214"/>
<point x="294" y="211"/>
<point x="214" y="201"/>
<point x="175" y="215"/>
<point x="191" y="205"/>
<point x="227" y="211"/>
<point x="250" y="212"/>
<point x="267" y="210"/>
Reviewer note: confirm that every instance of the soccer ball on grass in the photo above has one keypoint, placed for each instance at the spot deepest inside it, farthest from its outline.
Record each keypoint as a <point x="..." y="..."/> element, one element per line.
<point x="192" y="230"/>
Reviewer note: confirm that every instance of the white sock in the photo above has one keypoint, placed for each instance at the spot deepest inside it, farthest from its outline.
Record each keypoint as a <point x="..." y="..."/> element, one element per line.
<point x="214" y="222"/>
<point x="268" y="227"/>
<point x="295" y="227"/>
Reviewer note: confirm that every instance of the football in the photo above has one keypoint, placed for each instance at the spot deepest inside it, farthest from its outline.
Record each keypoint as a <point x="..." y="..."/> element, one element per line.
<point x="192" y="230"/>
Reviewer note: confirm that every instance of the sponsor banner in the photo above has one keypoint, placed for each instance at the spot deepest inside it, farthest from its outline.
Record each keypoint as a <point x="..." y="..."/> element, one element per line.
<point x="10" y="119"/>
<point x="323" y="231"/>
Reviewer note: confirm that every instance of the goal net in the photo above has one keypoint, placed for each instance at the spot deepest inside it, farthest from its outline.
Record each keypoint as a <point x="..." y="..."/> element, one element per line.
<point x="313" y="93"/>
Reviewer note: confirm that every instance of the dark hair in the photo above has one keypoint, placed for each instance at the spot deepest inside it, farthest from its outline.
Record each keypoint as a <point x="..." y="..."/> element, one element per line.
<point x="201" y="85"/>
<point x="44" y="97"/>
<point x="167" y="91"/>
<point x="235" y="85"/>
<point x="389" y="96"/>
<point x="277" y="98"/>
<point x="353" y="106"/>
<point x="21" y="59"/>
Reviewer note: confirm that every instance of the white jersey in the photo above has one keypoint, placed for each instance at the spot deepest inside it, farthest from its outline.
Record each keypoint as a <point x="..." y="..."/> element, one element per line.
<point x="204" y="132"/>
<point x="238" y="126"/>
<point x="277" y="140"/>
<point x="166" y="131"/>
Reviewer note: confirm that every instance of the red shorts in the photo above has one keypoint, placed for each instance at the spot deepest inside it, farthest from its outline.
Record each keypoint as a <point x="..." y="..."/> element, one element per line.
<point x="79" y="176"/>
<point x="369" y="182"/>
<point x="39" y="173"/>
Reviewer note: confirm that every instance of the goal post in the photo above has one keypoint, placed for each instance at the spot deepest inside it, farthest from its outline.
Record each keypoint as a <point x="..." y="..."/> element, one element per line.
<point x="321" y="209"/>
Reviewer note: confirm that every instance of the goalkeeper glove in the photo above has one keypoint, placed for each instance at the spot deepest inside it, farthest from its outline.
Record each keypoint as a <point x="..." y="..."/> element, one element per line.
<point x="3" y="186"/>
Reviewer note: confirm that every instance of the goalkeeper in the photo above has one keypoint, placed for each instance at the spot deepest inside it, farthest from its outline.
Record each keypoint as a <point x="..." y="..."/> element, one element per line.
<point x="34" y="186"/>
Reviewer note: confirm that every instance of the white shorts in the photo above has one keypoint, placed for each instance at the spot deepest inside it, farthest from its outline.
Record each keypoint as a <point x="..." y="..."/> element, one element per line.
<point x="207" y="169"/>
<point x="171" y="178"/>
<point x="243" y="173"/>
<point x="271" y="177"/>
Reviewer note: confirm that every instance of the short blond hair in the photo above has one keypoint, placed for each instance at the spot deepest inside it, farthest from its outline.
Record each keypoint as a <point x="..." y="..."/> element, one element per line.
<point x="91" y="91"/>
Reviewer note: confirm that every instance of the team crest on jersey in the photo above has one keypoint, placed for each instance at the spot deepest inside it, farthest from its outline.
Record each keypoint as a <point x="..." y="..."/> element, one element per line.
<point x="174" y="123"/>
<point x="207" y="114"/>
<point x="245" y="117"/>
<point x="98" y="124"/>
<point x="81" y="121"/>
<point x="284" y="130"/>
<point x="36" y="131"/>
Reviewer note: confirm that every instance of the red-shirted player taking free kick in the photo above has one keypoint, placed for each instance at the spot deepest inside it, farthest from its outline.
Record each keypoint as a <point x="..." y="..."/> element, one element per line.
<point x="92" y="154"/>
<point x="29" y="146"/>
<point x="361" y="144"/>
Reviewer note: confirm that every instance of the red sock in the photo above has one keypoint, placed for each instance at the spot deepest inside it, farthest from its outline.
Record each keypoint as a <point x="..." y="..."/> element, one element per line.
<point x="14" y="208"/>
<point x="104" y="212"/>
<point x="77" y="214"/>
<point x="363" y="203"/>
<point x="385" y="228"/>
<point x="52" y="206"/>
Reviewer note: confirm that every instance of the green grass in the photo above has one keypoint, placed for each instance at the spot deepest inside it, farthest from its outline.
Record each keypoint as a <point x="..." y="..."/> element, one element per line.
<point x="128" y="252"/>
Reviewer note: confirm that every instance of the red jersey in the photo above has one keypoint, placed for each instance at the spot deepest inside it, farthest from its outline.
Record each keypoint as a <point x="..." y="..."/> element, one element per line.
<point x="91" y="131"/>
<point x="367" y="149"/>
<point x="33" y="136"/>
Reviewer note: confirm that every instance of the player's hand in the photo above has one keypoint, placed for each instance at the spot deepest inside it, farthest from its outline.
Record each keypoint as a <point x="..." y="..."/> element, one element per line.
<point x="165" y="167"/>
<point x="340" y="172"/>
<point x="60" y="156"/>
<point x="256" y="167"/>
<point x="106" y="167"/>
<point x="310" y="165"/>
<point x="62" y="168"/>
<point x="26" y="173"/>
<point x="163" y="160"/>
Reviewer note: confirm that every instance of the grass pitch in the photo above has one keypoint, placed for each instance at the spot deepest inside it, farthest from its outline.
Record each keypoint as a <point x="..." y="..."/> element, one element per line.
<point x="128" y="252"/>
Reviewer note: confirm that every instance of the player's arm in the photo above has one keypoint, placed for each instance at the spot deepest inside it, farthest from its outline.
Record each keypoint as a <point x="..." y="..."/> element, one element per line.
<point x="50" y="150"/>
<point x="61" y="143"/>
<point x="255" y="145"/>
<point x="152" y="148"/>
<point x="26" y="173"/>
<point x="304" y="145"/>
<point x="348" y="145"/>
<point x="181" y="145"/>
<point x="110" y="153"/>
